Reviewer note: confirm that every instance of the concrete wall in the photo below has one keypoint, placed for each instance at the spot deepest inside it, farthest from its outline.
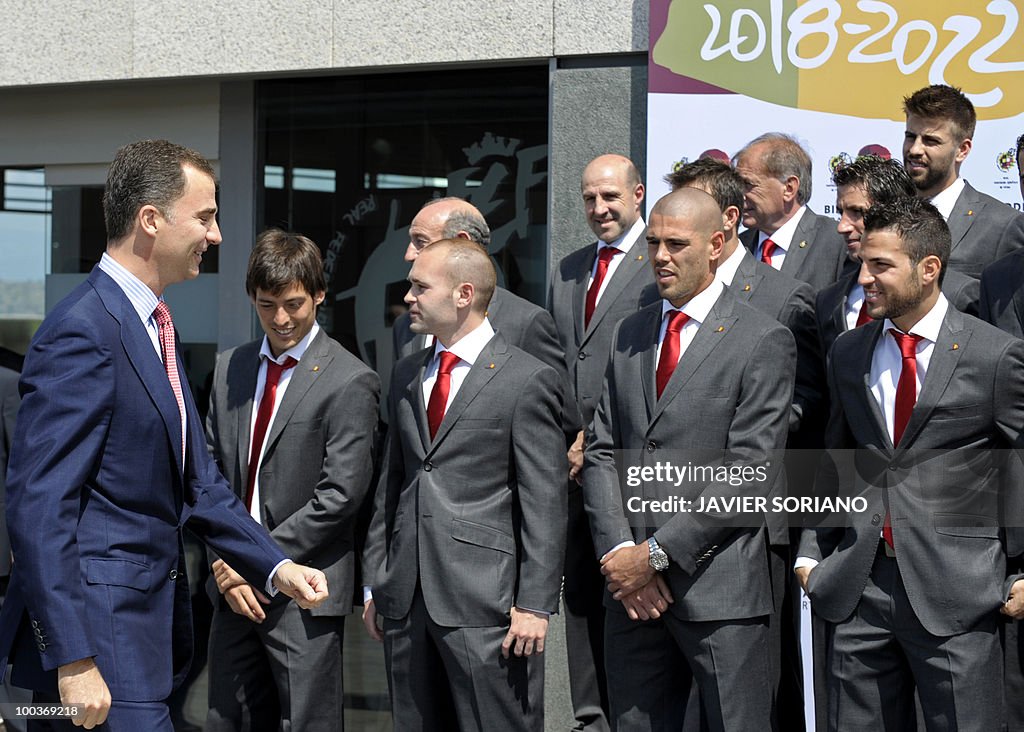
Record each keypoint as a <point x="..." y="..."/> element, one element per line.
<point x="65" y="41"/>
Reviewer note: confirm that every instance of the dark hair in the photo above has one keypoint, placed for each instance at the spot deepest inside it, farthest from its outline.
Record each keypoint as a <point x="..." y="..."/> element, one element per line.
<point x="939" y="101"/>
<point x="720" y="179"/>
<point x="782" y="158"/>
<point x="280" y="259"/>
<point x="1020" y="153"/>
<point x="882" y="180"/>
<point x="147" y="172"/>
<point x="918" y="224"/>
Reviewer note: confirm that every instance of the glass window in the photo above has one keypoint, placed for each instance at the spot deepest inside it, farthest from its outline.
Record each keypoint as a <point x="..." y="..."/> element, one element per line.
<point x="349" y="161"/>
<point x="24" y="231"/>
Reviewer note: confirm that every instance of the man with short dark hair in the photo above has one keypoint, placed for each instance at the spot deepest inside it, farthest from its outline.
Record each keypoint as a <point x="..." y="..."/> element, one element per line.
<point x="866" y="181"/>
<point x="698" y="376"/>
<point x="938" y="138"/>
<point x="931" y="399"/>
<point x="292" y="424"/>
<point x="463" y="561"/>
<point x="109" y="464"/>
<point x="782" y="231"/>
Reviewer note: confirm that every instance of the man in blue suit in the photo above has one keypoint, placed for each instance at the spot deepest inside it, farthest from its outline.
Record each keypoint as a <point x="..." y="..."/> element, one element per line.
<point x="109" y="463"/>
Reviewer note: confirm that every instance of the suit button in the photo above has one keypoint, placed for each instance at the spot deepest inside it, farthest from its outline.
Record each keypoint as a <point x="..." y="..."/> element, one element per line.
<point x="893" y="468"/>
<point x="582" y="356"/>
<point x="428" y="466"/>
<point x="875" y="520"/>
<point x="41" y="646"/>
<point x="172" y="575"/>
<point x="35" y="623"/>
<point x="652" y="446"/>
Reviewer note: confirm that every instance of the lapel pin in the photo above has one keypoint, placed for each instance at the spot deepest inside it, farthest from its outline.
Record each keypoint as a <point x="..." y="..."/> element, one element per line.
<point x="721" y="329"/>
<point x="803" y="244"/>
<point x="971" y="212"/>
<point x="491" y="366"/>
<point x="639" y="257"/>
<point x="956" y="346"/>
<point x="746" y="287"/>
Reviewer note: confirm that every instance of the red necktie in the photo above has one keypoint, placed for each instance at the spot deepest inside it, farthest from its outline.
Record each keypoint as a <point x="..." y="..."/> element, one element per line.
<point x="767" y="250"/>
<point x="162" y="315"/>
<point x="259" y="430"/>
<point x="604" y="258"/>
<point x="439" y="394"/>
<point x="906" y="398"/>
<point x="670" y="348"/>
<point x="862" y="316"/>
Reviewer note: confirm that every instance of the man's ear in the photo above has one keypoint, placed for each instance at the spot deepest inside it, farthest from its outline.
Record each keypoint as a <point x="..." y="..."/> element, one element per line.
<point x="150" y="219"/>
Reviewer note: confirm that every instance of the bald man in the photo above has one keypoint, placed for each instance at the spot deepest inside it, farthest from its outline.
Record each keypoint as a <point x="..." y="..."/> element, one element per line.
<point x="690" y="589"/>
<point x="592" y="289"/>
<point x="464" y="555"/>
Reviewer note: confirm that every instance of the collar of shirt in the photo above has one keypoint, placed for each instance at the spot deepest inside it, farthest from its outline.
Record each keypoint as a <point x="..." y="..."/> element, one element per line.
<point x="726" y="271"/>
<point x="946" y="200"/>
<point x="468" y="347"/>
<point x="929" y="326"/>
<point x="854" y="301"/>
<point x="143" y="300"/>
<point x="297" y="351"/>
<point x="698" y="308"/>
<point x="783" y="237"/>
<point x="625" y="242"/>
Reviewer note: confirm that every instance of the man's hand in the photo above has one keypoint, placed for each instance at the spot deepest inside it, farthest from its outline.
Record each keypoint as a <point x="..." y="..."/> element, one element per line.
<point x="305" y="585"/>
<point x="81" y="683"/>
<point x="627" y="569"/>
<point x="650" y="601"/>
<point x="370" y="620"/>
<point x="225" y="577"/>
<point x="575" y="456"/>
<point x="526" y="633"/>
<point x="1014" y="607"/>
<point x="802" y="573"/>
<point x="245" y="600"/>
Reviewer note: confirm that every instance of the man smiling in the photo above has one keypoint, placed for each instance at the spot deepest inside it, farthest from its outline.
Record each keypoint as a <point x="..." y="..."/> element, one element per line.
<point x="938" y="138"/>
<point x="301" y="461"/>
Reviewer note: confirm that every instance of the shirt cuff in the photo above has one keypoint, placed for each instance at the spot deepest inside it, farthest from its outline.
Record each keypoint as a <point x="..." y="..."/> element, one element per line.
<point x="367" y="594"/>
<point x="619" y="546"/>
<point x="805" y="562"/>
<point x="271" y="590"/>
<point x="545" y="613"/>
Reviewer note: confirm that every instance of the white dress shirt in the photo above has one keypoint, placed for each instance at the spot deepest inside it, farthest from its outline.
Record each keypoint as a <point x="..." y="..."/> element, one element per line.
<point x="728" y="267"/>
<point x="946" y="200"/>
<point x="623" y="244"/>
<point x="854" y="301"/>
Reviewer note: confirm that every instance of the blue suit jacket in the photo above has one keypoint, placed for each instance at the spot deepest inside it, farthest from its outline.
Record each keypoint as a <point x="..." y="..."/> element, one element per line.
<point x="97" y="499"/>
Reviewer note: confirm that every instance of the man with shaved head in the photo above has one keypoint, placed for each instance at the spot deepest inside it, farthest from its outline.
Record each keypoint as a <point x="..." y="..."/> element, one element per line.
<point x="592" y="289"/>
<point x="463" y="561"/>
<point x="690" y="376"/>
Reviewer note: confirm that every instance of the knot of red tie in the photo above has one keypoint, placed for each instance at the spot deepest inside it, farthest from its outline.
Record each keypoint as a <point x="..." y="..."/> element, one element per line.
<point x="767" y="250"/>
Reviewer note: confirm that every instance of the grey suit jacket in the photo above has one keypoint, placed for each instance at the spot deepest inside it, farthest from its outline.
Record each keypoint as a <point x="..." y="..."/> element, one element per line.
<point x="587" y="347"/>
<point x="731" y="391"/>
<point x="983" y="230"/>
<point x="1002" y="294"/>
<point x="950" y="485"/>
<point x="830" y="307"/>
<point x="318" y="460"/>
<point x="9" y="401"/>
<point x="523" y="325"/>
<point x="475" y="517"/>
<point x="817" y="255"/>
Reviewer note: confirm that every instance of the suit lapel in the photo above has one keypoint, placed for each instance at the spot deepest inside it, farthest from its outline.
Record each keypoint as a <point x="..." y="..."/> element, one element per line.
<point x="579" y="293"/>
<point x="798" y="245"/>
<point x="245" y="374"/>
<point x="144" y="359"/>
<point x="747" y="278"/>
<point x="491" y="359"/>
<point x="963" y="215"/>
<point x="953" y="340"/>
<point x="634" y="260"/>
<point x="876" y="418"/>
<point x="710" y="333"/>
<point x="414" y="395"/>
<point x="838" y="314"/>
<point x="649" y="355"/>
<point x="314" y="362"/>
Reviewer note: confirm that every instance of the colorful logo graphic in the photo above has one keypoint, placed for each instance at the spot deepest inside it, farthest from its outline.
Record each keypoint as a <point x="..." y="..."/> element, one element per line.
<point x="874" y="149"/>
<point x="843" y="56"/>
<point x="838" y="161"/>
<point x="1006" y="160"/>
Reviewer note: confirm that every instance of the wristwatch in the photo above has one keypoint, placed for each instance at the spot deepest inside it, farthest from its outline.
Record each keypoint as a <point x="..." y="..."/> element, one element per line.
<point x="658" y="559"/>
